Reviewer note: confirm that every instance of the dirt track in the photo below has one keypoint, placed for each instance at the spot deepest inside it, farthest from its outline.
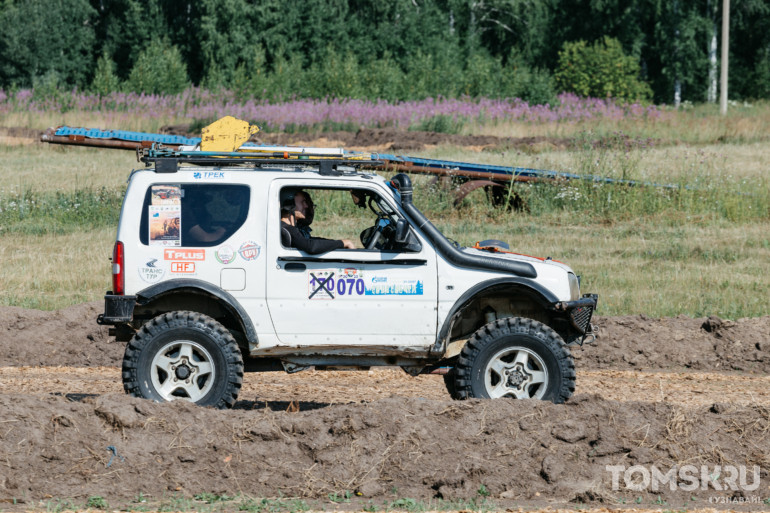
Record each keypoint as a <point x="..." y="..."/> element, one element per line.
<point x="651" y="391"/>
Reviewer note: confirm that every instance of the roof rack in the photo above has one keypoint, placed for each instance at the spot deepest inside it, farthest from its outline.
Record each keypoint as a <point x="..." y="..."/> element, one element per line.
<point x="167" y="160"/>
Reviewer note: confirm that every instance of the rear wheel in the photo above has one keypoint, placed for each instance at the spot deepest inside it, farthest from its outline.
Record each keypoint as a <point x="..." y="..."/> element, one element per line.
<point x="516" y="358"/>
<point x="184" y="355"/>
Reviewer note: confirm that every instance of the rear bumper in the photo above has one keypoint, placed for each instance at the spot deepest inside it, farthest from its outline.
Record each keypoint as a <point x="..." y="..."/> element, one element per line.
<point x="117" y="310"/>
<point x="579" y="313"/>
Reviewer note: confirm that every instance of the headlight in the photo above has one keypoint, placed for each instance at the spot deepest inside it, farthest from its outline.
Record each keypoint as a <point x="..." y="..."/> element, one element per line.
<point x="574" y="287"/>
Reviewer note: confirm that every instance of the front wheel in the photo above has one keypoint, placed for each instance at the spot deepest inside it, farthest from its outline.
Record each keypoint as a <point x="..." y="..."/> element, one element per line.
<point x="516" y="358"/>
<point x="184" y="356"/>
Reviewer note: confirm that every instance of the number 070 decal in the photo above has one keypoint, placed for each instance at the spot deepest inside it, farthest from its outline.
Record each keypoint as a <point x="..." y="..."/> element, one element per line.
<point x="333" y="284"/>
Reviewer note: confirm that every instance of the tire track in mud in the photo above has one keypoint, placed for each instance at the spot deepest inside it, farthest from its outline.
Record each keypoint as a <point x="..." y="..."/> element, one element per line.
<point x="316" y="389"/>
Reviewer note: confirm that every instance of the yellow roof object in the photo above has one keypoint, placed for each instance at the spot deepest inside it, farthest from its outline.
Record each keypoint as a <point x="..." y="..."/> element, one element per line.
<point x="226" y="134"/>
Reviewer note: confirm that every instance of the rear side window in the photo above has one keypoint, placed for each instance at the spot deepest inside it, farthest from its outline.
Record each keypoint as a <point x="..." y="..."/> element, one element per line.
<point x="192" y="215"/>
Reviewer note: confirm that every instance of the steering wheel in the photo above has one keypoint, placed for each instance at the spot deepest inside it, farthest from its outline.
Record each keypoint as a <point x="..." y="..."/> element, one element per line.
<point x="382" y="223"/>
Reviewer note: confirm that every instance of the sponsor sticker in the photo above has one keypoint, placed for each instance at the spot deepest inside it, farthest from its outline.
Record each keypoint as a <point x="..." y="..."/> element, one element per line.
<point x="165" y="225"/>
<point x="184" y="254"/>
<point x="321" y="285"/>
<point x="208" y="175"/>
<point x="183" y="267"/>
<point x="149" y="273"/>
<point x="393" y="286"/>
<point x="249" y="250"/>
<point x="166" y="195"/>
<point x="225" y="255"/>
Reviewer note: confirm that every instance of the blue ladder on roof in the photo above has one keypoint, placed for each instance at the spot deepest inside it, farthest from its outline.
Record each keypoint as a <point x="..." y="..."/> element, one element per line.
<point x="505" y="172"/>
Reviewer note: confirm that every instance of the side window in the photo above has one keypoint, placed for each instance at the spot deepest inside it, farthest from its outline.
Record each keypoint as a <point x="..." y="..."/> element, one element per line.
<point x="192" y="215"/>
<point x="359" y="215"/>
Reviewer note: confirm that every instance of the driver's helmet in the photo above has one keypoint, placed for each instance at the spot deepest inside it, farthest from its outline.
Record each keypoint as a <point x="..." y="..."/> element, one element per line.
<point x="310" y="214"/>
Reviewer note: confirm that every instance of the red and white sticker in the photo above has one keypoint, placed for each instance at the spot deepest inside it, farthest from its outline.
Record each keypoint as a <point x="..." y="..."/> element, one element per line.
<point x="183" y="267"/>
<point x="249" y="250"/>
<point x="184" y="254"/>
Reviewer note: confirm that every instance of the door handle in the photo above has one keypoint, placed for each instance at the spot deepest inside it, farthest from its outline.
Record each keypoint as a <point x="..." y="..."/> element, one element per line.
<point x="294" y="267"/>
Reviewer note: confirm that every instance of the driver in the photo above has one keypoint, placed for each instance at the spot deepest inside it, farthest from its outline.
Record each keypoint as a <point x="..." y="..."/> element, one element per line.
<point x="295" y="210"/>
<point x="304" y="224"/>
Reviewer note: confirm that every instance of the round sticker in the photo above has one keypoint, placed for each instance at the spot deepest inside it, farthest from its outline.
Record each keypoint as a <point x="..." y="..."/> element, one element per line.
<point x="249" y="250"/>
<point x="151" y="274"/>
<point x="225" y="255"/>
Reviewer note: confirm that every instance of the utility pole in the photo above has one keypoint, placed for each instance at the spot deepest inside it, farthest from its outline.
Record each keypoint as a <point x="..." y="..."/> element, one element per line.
<point x="713" y="8"/>
<point x="725" y="48"/>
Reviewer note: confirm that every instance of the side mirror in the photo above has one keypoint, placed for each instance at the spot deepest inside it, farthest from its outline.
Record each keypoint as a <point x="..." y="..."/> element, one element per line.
<point x="402" y="231"/>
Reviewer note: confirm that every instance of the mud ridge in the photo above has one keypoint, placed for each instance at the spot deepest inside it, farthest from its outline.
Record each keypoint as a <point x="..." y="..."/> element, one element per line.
<point x="71" y="337"/>
<point x="423" y="449"/>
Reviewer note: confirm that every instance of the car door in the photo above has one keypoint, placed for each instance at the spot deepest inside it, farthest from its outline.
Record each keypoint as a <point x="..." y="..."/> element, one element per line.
<point x="349" y="297"/>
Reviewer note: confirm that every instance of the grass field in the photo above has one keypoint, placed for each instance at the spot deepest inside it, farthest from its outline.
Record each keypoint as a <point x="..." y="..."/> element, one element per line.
<point x="700" y="248"/>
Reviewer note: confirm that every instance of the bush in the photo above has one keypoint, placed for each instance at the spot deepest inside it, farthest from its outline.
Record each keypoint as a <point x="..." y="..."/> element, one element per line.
<point x="478" y="76"/>
<point x="105" y="80"/>
<point x="159" y="69"/>
<point x="518" y="80"/>
<point x="384" y="79"/>
<point x="601" y="70"/>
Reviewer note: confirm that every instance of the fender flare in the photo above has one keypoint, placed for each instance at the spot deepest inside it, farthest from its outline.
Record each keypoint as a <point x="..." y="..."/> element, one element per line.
<point x="224" y="298"/>
<point x="541" y="294"/>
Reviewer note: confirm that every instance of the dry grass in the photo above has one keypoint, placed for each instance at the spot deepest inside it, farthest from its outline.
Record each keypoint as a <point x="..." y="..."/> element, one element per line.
<point x="660" y="267"/>
<point x="664" y="164"/>
<point x="90" y="119"/>
<point x="48" y="167"/>
<point x="661" y="264"/>
<point x="700" y="124"/>
<point x="51" y="271"/>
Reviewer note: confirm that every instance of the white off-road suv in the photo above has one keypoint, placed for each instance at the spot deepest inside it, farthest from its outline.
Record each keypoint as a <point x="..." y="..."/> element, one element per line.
<point x="205" y="288"/>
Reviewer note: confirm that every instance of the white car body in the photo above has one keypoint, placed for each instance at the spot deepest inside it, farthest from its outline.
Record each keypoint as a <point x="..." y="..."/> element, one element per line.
<point x="405" y="299"/>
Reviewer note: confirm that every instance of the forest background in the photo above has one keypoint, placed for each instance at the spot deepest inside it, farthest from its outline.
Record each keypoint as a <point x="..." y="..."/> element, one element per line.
<point x="401" y="50"/>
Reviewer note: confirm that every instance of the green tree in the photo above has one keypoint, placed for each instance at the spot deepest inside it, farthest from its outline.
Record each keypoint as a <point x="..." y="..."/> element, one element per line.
<point x="44" y="37"/>
<point x="750" y="49"/>
<point x="227" y="39"/>
<point x="125" y="27"/>
<point x="601" y="70"/>
<point x="159" y="69"/>
<point x="336" y="75"/>
<point x="384" y="79"/>
<point x="682" y="31"/>
<point x="105" y="80"/>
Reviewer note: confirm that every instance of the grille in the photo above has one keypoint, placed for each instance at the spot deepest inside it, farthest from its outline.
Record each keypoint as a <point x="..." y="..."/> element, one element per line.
<point x="581" y="316"/>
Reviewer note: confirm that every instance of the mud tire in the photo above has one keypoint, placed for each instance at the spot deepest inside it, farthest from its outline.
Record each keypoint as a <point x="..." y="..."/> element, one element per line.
<point x="449" y="382"/>
<point x="543" y="345"/>
<point x="198" y="331"/>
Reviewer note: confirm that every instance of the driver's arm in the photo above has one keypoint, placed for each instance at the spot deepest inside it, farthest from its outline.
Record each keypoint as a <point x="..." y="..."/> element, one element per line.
<point x="314" y="245"/>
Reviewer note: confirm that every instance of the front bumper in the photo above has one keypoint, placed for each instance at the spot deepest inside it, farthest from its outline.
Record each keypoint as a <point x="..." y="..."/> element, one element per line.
<point x="579" y="313"/>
